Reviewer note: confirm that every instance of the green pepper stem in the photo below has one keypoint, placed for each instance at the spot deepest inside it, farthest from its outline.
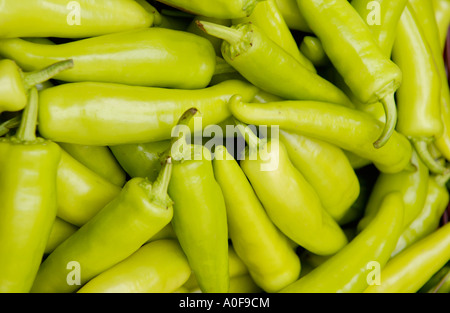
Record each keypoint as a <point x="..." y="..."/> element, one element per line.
<point x="421" y="147"/>
<point x="161" y="185"/>
<point x="228" y="34"/>
<point x="390" y="109"/>
<point x="31" y="79"/>
<point x="9" y="124"/>
<point x="27" y="128"/>
<point x="443" y="178"/>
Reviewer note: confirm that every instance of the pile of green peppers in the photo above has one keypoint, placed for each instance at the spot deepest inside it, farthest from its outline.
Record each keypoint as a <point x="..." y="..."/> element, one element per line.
<point x="346" y="191"/>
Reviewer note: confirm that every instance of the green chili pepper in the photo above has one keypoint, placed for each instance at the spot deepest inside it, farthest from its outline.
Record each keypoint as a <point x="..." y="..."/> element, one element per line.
<point x="409" y="270"/>
<point x="439" y="282"/>
<point x="349" y="269"/>
<point x="81" y="193"/>
<point x="28" y="192"/>
<point x="353" y="51"/>
<point x="312" y="48"/>
<point x="200" y="220"/>
<point x="98" y="159"/>
<point x="141" y="160"/>
<point x="426" y="19"/>
<point x="83" y="113"/>
<point x="15" y="84"/>
<point x="154" y="57"/>
<point x="269" y="67"/>
<point x="243" y="284"/>
<point x="77" y="19"/>
<point x="268" y="18"/>
<point x="270" y="259"/>
<point x="427" y="221"/>
<point x="413" y="186"/>
<point x="290" y="201"/>
<point x="382" y="19"/>
<point x="223" y="9"/>
<point x="292" y="15"/>
<point x="118" y="230"/>
<point x="317" y="159"/>
<point x="442" y="16"/>
<point x="347" y="128"/>
<point x="61" y="230"/>
<point x="157" y="267"/>
<point x="418" y="98"/>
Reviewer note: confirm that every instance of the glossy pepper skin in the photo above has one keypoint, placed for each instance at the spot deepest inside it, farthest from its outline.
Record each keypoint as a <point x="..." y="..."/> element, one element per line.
<point x="427" y="221"/>
<point x="81" y="193"/>
<point x="409" y="270"/>
<point x="269" y="67"/>
<point x="141" y="160"/>
<point x="157" y="267"/>
<point x="270" y="259"/>
<point x="347" y="271"/>
<point x="141" y="210"/>
<point x="317" y="159"/>
<point x="347" y="128"/>
<point x="55" y="18"/>
<point x="28" y="193"/>
<point x="418" y="98"/>
<point x="353" y="51"/>
<point x="15" y="83"/>
<point x="61" y="230"/>
<point x="200" y="219"/>
<point x="389" y="14"/>
<point x="268" y="18"/>
<point x="312" y="48"/>
<point x="98" y="159"/>
<point x="413" y="185"/>
<point x="154" y="57"/>
<point x="292" y="15"/>
<point x="290" y="201"/>
<point x="83" y="113"/>
<point x="224" y="9"/>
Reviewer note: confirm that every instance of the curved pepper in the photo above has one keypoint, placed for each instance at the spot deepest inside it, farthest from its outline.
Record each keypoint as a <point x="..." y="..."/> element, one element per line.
<point x="409" y="270"/>
<point x="353" y="51"/>
<point x="418" y="98"/>
<point x="80" y="19"/>
<point x="154" y="57"/>
<point x="270" y="259"/>
<point x="268" y="18"/>
<point x="269" y="67"/>
<point x="98" y="159"/>
<point x="317" y="159"/>
<point x="223" y="9"/>
<point x="428" y="219"/>
<point x="312" y="48"/>
<point x="200" y="220"/>
<point x="141" y="210"/>
<point x="384" y="24"/>
<point x="141" y="160"/>
<point x="348" y="270"/>
<point x="83" y="113"/>
<point x="290" y="201"/>
<point x="15" y="84"/>
<point x="157" y="267"/>
<point x="413" y="186"/>
<point x="81" y="193"/>
<point x="28" y="193"/>
<point x="347" y="128"/>
<point x="439" y="282"/>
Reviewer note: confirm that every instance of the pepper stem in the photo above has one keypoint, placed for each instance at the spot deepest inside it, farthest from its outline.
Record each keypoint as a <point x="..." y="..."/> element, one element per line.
<point x="421" y="147"/>
<point x="232" y="36"/>
<point x="161" y="185"/>
<point x="31" y="79"/>
<point x="390" y="109"/>
<point x="27" y="128"/>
